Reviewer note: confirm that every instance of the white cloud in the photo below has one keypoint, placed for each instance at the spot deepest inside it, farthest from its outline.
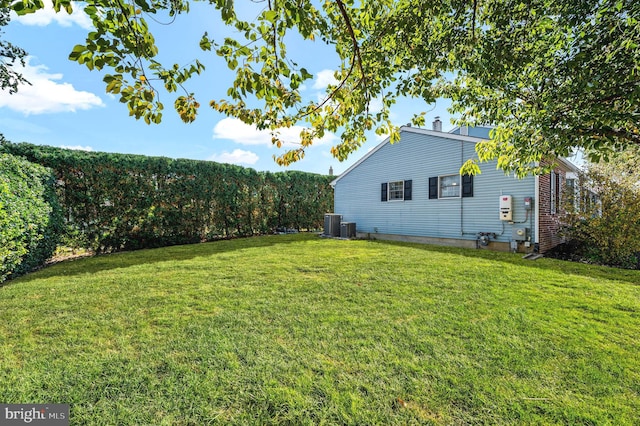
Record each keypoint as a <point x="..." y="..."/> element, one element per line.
<point x="323" y="79"/>
<point x="379" y="138"/>
<point x="47" y="15"/>
<point x="244" y="134"/>
<point x="77" y="147"/>
<point x="239" y="132"/>
<point x="238" y="156"/>
<point x="46" y="95"/>
<point x="375" y="105"/>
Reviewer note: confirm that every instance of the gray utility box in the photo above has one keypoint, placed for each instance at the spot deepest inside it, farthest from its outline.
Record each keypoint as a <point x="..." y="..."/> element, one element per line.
<point x="347" y="229"/>
<point x="332" y="224"/>
<point x="520" y="234"/>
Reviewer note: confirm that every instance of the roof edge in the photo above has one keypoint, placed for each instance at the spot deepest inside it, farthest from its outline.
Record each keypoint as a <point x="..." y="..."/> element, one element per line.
<point x="407" y="129"/>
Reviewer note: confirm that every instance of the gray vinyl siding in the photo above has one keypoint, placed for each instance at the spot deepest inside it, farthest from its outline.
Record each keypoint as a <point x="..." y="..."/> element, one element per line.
<point x="477" y="132"/>
<point x="418" y="156"/>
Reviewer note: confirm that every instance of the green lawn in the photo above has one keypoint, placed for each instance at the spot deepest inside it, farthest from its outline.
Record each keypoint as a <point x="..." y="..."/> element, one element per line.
<point x="302" y="330"/>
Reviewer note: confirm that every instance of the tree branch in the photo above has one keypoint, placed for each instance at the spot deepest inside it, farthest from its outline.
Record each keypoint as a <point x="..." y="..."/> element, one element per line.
<point x="473" y="20"/>
<point x="357" y="58"/>
<point x="356" y="47"/>
<point x="610" y="133"/>
<point x="275" y="38"/>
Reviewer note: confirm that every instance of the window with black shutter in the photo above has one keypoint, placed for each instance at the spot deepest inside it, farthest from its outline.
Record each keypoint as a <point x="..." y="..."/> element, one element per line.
<point x="433" y="187"/>
<point x="450" y="186"/>
<point x="407" y="189"/>
<point x="400" y="190"/>
<point x="467" y="185"/>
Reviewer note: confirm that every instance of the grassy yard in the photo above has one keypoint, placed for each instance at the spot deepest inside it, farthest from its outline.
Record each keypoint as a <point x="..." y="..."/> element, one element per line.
<point x="303" y="330"/>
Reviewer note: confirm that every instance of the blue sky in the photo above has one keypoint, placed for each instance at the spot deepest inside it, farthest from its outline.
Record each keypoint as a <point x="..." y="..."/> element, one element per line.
<point x="67" y="105"/>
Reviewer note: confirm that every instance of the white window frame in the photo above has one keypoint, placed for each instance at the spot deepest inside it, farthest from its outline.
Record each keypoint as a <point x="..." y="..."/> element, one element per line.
<point x="571" y="187"/>
<point x="395" y="191"/>
<point x="457" y="185"/>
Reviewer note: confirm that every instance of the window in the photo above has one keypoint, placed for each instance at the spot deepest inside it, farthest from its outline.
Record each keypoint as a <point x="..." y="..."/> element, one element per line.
<point x="396" y="191"/>
<point x="450" y="186"/>
<point x="571" y="183"/>
<point x="571" y="192"/>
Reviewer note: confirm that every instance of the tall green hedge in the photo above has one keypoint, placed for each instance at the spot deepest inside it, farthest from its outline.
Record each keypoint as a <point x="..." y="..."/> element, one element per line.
<point x="30" y="219"/>
<point x="120" y="202"/>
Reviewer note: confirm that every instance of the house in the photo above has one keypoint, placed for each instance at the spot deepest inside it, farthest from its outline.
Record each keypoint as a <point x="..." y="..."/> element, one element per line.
<point x="412" y="191"/>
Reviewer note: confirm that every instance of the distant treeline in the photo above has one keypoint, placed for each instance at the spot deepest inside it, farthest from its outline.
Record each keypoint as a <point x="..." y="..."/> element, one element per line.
<point x="116" y="202"/>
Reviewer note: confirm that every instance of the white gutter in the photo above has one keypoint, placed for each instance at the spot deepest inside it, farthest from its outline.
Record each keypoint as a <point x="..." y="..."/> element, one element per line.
<point x="536" y="202"/>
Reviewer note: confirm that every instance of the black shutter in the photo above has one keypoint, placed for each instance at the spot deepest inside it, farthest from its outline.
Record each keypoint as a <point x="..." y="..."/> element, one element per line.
<point x="383" y="192"/>
<point x="467" y="185"/>
<point x="433" y="187"/>
<point x="407" y="190"/>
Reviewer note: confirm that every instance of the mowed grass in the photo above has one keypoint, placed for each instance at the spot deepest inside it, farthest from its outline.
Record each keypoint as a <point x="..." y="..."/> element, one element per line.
<point x="298" y="329"/>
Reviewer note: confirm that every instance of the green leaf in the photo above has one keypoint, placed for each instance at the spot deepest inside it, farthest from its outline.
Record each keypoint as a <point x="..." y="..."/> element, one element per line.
<point x="270" y="15"/>
<point x="205" y="42"/>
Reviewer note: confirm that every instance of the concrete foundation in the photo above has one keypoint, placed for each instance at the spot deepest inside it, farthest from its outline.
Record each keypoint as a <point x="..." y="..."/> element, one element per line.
<point x="451" y="242"/>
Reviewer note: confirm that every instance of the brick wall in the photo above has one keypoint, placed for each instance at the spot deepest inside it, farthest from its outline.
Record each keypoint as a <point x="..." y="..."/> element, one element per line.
<point x="549" y="221"/>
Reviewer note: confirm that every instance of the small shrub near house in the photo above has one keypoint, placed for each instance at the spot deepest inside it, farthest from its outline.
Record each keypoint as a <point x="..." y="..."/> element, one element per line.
<point x="30" y="219"/>
<point x="603" y="220"/>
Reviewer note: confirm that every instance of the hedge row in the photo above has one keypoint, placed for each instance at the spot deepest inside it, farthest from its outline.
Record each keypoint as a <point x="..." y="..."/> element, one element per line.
<point x="120" y="202"/>
<point x="30" y="219"/>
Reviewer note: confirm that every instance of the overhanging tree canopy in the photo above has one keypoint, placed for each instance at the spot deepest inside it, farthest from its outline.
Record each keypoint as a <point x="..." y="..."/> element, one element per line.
<point x="9" y="55"/>
<point x="551" y="75"/>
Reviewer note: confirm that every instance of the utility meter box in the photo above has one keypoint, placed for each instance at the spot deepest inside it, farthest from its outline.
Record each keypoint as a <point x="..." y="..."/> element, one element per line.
<point x="520" y="234"/>
<point x="506" y="207"/>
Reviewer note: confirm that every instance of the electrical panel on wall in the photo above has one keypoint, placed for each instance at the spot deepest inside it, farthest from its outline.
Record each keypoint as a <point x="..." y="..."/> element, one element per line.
<point x="506" y="207"/>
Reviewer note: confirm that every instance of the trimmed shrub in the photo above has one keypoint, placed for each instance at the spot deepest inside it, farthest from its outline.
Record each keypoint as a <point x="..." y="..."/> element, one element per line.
<point x="30" y="217"/>
<point x="115" y="202"/>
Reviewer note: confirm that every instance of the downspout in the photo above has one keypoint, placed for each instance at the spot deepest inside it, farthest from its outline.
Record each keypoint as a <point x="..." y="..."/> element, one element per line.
<point x="462" y="232"/>
<point x="536" y="205"/>
<point x="461" y="203"/>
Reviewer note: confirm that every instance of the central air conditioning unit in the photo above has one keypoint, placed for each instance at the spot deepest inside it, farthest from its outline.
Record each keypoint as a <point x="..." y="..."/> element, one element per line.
<point x="332" y="224"/>
<point x="347" y="230"/>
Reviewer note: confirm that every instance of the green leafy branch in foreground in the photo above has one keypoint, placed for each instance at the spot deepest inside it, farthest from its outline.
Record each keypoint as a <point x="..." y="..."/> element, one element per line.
<point x="10" y="54"/>
<point x="550" y="75"/>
